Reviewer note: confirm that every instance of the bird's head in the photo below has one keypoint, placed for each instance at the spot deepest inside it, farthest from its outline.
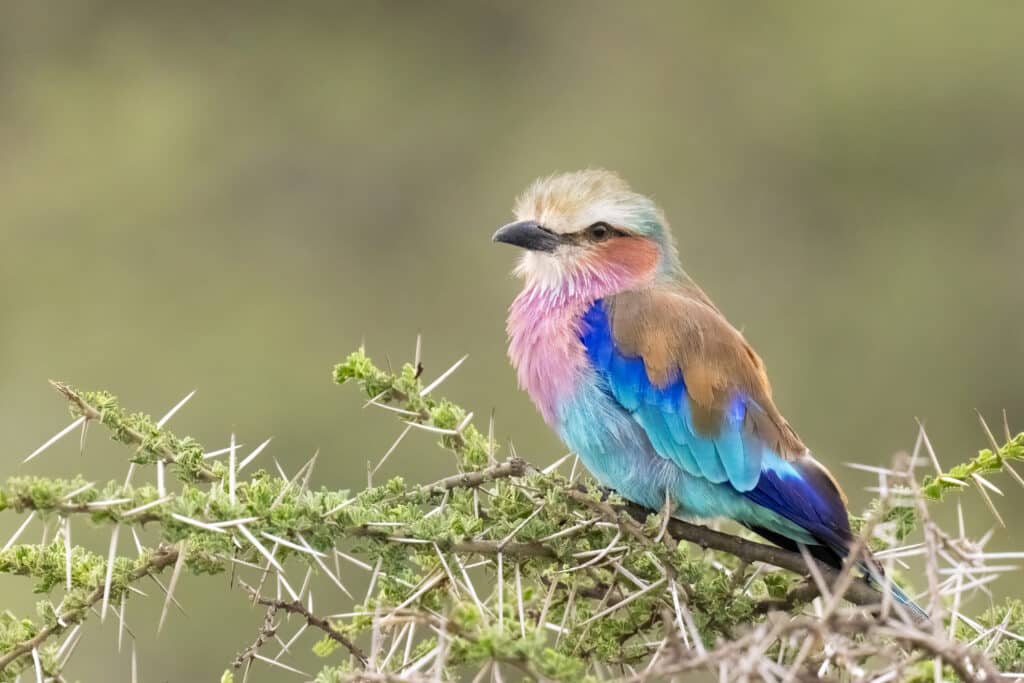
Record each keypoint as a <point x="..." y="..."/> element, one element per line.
<point x="589" y="231"/>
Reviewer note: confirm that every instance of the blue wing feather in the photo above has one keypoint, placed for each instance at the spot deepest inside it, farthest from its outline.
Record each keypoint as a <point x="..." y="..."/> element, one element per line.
<point x="664" y="412"/>
<point x="800" y="491"/>
<point x="656" y="424"/>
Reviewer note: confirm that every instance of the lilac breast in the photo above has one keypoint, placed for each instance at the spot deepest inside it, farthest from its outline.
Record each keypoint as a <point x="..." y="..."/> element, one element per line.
<point x="545" y="347"/>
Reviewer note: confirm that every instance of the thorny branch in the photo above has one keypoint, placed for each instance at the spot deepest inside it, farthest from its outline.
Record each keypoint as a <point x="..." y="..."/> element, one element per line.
<point x="513" y="467"/>
<point x="505" y="565"/>
<point x="163" y="557"/>
<point x="92" y="413"/>
<point x="266" y="632"/>
<point x="969" y="664"/>
<point x="296" y="607"/>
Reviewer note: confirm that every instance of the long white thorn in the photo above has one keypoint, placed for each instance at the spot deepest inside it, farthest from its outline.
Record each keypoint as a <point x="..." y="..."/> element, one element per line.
<point x="175" y="575"/>
<point x="285" y="646"/>
<point x="556" y="464"/>
<point x="815" y="571"/>
<point x="396" y="642"/>
<point x="875" y="470"/>
<point x="274" y="662"/>
<point x="17" y="533"/>
<point x="111" y="556"/>
<point x="323" y="566"/>
<point x="988" y="499"/>
<point x="81" y="489"/>
<point x="444" y="375"/>
<point x="393" y="409"/>
<point x="568" y="531"/>
<point x="391" y="450"/>
<point x="427" y="585"/>
<point x="252" y="456"/>
<point x="447" y="570"/>
<point x="354" y="560"/>
<point x="622" y="603"/>
<point x="220" y="451"/>
<point x="55" y="438"/>
<point x="519" y="601"/>
<point x="67" y="642"/>
<point x="81" y="438"/>
<point x="232" y="476"/>
<point x="161" y="488"/>
<point x="340" y="506"/>
<point x="283" y="582"/>
<point x="120" y="619"/>
<point x="170" y="413"/>
<point x="235" y="522"/>
<point x="38" y="665"/>
<point x="922" y="436"/>
<point x="197" y="523"/>
<point x="110" y="502"/>
<point x="501" y="591"/>
<point x="288" y="544"/>
<point x="433" y="429"/>
<point x="373" y="579"/>
<point x="308" y="468"/>
<point x="260" y="547"/>
<point x="679" y="613"/>
<point x="145" y="506"/>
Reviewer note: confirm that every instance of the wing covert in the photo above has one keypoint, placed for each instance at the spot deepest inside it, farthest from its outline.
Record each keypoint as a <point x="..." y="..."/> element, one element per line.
<point x="666" y="359"/>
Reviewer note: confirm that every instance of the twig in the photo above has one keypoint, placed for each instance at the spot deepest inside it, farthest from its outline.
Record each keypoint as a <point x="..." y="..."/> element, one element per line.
<point x="267" y="631"/>
<point x="135" y="437"/>
<point x="859" y="592"/>
<point x="296" y="607"/>
<point x="513" y="467"/>
<point x="161" y="558"/>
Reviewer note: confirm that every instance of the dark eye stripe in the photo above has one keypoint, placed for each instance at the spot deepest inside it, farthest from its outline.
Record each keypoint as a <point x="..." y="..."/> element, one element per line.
<point x="582" y="236"/>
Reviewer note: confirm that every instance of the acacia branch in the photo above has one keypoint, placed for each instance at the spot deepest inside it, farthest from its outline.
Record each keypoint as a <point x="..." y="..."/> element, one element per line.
<point x="161" y="558"/>
<point x="296" y="607"/>
<point x="970" y="665"/>
<point x="513" y="467"/>
<point x="580" y="571"/>
<point x="91" y="413"/>
<point x="468" y="546"/>
<point x="859" y="592"/>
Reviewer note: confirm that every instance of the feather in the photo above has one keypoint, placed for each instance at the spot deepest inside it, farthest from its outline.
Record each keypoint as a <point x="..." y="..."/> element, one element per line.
<point x="675" y="330"/>
<point x="665" y="411"/>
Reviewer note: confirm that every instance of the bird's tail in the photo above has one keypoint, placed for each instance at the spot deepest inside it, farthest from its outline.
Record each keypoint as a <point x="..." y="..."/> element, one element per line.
<point x="834" y="553"/>
<point x="877" y="580"/>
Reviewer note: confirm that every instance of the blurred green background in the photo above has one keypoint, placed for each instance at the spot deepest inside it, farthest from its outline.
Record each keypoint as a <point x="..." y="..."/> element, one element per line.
<point x="230" y="197"/>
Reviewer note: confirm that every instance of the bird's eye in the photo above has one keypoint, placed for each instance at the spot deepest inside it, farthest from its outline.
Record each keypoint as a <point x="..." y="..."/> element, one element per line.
<point x="599" y="231"/>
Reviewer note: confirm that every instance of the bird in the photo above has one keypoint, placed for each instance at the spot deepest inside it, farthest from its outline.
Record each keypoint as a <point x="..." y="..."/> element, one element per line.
<point x="642" y="376"/>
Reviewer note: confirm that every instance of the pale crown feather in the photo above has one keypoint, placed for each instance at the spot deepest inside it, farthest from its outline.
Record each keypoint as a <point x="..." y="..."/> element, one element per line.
<point x="569" y="202"/>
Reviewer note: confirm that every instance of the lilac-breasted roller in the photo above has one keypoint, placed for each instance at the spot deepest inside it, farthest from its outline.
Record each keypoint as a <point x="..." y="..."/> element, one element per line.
<point x="639" y="373"/>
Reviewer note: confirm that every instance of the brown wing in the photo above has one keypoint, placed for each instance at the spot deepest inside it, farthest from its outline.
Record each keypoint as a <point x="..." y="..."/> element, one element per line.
<point x="677" y="330"/>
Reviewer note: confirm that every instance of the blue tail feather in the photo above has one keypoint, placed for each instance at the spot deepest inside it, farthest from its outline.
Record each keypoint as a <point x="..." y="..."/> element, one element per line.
<point x="917" y="613"/>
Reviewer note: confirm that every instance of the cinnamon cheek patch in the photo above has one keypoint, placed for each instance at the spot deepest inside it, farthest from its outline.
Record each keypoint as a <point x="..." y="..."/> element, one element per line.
<point x="635" y="255"/>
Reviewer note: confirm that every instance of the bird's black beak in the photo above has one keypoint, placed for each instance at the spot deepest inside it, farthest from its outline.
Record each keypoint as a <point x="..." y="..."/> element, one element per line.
<point x="528" y="235"/>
